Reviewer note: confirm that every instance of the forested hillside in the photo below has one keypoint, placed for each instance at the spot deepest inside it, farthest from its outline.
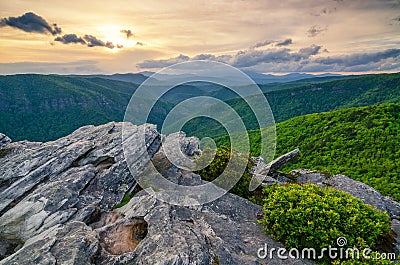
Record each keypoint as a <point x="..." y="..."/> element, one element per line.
<point x="42" y="108"/>
<point x="312" y="98"/>
<point x="362" y="143"/>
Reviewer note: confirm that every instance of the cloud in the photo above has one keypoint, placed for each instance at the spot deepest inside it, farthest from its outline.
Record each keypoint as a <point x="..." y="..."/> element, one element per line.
<point x="92" y="41"/>
<point x="283" y="59"/>
<point x="315" y="30"/>
<point x="359" y="58"/>
<point x="88" y="40"/>
<point x="263" y="44"/>
<point x="309" y="51"/>
<point x="220" y="58"/>
<point x="163" y="63"/>
<point x="244" y="58"/>
<point x="128" y="33"/>
<point x="275" y="42"/>
<point x="324" y="11"/>
<point x="249" y="58"/>
<point x="30" y="22"/>
<point x="70" y="38"/>
<point x="284" y="42"/>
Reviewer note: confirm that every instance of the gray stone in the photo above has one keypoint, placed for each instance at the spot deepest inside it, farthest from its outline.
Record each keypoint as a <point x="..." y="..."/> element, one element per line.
<point x="73" y="243"/>
<point x="4" y="140"/>
<point x="304" y="176"/>
<point x="396" y="230"/>
<point x="366" y="193"/>
<point x="276" y="164"/>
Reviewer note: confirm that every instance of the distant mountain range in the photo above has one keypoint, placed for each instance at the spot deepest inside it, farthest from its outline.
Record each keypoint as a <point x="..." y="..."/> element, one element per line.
<point x="259" y="78"/>
<point x="46" y="107"/>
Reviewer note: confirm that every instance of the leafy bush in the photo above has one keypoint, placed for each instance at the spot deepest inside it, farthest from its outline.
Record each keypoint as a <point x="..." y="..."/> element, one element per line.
<point x="308" y="216"/>
<point x="218" y="165"/>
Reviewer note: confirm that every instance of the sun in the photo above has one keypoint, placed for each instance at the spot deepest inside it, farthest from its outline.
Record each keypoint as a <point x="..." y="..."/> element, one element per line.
<point x="112" y="33"/>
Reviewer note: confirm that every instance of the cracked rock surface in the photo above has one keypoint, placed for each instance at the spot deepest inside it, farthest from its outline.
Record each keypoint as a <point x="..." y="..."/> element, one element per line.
<point x="57" y="198"/>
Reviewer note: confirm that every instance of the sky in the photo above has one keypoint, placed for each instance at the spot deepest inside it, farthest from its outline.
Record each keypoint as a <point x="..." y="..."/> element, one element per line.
<point x="266" y="36"/>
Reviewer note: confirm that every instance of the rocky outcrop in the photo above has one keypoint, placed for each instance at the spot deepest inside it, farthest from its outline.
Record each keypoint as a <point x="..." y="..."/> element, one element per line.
<point x="283" y="160"/>
<point x="276" y="164"/>
<point x="57" y="203"/>
<point x="57" y="198"/>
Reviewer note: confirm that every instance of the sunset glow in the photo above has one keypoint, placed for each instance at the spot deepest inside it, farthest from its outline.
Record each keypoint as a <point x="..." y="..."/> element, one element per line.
<point x="342" y="36"/>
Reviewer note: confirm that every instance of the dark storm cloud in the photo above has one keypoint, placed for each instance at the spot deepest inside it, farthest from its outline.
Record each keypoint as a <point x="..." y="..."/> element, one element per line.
<point x="128" y="33"/>
<point x="92" y="41"/>
<point x="70" y="38"/>
<point x="30" y="22"/>
<point x="284" y="42"/>
<point x="315" y="30"/>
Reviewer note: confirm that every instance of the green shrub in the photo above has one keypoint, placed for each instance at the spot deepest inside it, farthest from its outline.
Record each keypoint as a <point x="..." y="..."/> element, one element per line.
<point x="218" y="165"/>
<point x="308" y="216"/>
